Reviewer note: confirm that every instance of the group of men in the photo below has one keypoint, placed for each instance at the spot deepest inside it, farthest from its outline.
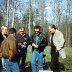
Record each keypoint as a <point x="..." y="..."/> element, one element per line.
<point x="13" y="47"/>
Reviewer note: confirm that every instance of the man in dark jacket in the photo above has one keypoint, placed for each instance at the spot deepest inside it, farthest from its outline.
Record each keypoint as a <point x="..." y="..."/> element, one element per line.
<point x="23" y="42"/>
<point x="38" y="42"/>
<point x="3" y="35"/>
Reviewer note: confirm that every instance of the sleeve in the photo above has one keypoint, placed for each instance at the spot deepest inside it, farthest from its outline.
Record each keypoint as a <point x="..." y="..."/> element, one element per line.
<point x="44" y="43"/>
<point x="1" y="37"/>
<point x="31" y="40"/>
<point x="12" y="48"/>
<point x="28" y="40"/>
<point x="60" y="42"/>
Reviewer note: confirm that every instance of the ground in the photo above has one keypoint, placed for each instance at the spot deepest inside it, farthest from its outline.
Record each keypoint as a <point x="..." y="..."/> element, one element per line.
<point x="65" y="64"/>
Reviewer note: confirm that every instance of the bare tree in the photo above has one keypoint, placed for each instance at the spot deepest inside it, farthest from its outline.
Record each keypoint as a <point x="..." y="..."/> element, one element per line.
<point x="7" y="12"/>
<point x="30" y="17"/>
<point x="58" y="12"/>
<point x="14" y="13"/>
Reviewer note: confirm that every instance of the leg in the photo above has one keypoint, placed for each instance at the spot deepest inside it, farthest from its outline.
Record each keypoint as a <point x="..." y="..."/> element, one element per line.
<point x="23" y="61"/>
<point x="18" y="56"/>
<point x="0" y="64"/>
<point x="40" y="61"/>
<point x="15" y="67"/>
<point x="33" y="61"/>
<point x="8" y="65"/>
<point x="54" y="61"/>
<point x="2" y="61"/>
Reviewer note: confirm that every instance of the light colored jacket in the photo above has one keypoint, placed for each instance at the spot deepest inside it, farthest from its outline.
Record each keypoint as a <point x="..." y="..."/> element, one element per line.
<point x="58" y="39"/>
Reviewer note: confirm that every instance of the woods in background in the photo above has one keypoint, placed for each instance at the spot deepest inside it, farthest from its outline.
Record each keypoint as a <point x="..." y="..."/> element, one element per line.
<point x="28" y="13"/>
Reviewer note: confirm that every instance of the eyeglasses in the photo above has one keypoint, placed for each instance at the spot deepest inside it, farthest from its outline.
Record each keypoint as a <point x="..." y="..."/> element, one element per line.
<point x="36" y="31"/>
<point x="21" y="31"/>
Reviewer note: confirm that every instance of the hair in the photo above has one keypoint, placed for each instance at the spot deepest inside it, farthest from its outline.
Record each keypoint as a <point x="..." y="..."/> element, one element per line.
<point x="53" y="26"/>
<point x="3" y="27"/>
<point x="22" y="27"/>
<point x="12" y="30"/>
<point x="37" y="27"/>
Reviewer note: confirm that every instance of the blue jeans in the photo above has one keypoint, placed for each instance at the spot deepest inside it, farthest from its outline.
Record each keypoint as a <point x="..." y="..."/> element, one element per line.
<point x="12" y="66"/>
<point x="36" y="54"/>
<point x="3" y="61"/>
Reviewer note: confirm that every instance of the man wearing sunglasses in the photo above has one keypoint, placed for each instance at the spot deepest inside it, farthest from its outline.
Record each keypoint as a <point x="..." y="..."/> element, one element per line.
<point x="38" y="42"/>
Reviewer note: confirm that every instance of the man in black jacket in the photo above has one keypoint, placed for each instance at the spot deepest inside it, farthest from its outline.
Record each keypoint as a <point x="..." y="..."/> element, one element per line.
<point x="23" y="42"/>
<point x="38" y="42"/>
<point x="3" y="35"/>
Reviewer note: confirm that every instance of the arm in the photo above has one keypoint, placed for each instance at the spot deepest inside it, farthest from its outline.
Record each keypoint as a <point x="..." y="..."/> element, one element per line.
<point x="60" y="41"/>
<point x="12" y="49"/>
<point x="28" y="40"/>
<point x="44" y="42"/>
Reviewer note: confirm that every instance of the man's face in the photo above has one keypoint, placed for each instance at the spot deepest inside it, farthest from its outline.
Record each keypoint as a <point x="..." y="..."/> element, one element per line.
<point x="21" y="31"/>
<point x="14" y="33"/>
<point x="51" y="30"/>
<point x="37" y="31"/>
<point x="5" y="30"/>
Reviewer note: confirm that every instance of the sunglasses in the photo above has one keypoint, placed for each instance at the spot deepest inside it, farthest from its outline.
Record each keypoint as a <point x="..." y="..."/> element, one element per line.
<point x="21" y="31"/>
<point x="36" y="31"/>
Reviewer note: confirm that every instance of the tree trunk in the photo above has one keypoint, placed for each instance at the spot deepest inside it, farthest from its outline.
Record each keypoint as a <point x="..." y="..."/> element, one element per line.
<point x="30" y="17"/>
<point x="14" y="13"/>
<point x="7" y="12"/>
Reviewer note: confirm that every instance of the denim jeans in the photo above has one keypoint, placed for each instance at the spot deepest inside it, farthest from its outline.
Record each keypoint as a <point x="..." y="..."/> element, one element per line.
<point x="3" y="61"/>
<point x="12" y="66"/>
<point x="36" y="54"/>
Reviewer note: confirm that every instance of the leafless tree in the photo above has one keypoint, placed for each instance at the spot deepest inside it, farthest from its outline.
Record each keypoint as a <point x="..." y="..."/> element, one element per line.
<point x="14" y="13"/>
<point x="7" y="12"/>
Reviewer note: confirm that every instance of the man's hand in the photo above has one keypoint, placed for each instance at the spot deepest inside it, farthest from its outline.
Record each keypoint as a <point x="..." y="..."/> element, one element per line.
<point x="19" y="43"/>
<point x="58" y="48"/>
<point x="34" y="45"/>
<point x="24" y="43"/>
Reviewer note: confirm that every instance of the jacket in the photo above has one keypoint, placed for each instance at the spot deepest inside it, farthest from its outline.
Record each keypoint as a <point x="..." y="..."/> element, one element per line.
<point x="1" y="39"/>
<point x="58" y="39"/>
<point x="42" y="43"/>
<point x="22" y="39"/>
<point x="9" y="47"/>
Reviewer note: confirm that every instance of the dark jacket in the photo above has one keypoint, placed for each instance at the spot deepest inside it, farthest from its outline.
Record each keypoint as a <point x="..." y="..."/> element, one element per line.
<point x="1" y="39"/>
<point x="43" y="42"/>
<point x="22" y="39"/>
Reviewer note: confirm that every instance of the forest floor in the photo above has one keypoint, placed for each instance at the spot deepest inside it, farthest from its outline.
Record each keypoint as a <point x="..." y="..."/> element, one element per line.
<point x="65" y="64"/>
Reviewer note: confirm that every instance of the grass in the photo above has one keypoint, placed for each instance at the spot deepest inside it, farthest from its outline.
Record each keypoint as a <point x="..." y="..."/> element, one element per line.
<point x="66" y="64"/>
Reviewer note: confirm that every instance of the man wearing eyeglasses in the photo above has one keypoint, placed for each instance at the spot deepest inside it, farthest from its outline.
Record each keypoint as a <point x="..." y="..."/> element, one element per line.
<point x="23" y="42"/>
<point x="38" y="42"/>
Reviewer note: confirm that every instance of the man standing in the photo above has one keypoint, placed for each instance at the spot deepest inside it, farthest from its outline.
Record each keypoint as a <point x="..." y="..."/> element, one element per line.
<point x="9" y="50"/>
<point x="57" y="43"/>
<point x="3" y="35"/>
<point x="23" y="42"/>
<point x="38" y="42"/>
